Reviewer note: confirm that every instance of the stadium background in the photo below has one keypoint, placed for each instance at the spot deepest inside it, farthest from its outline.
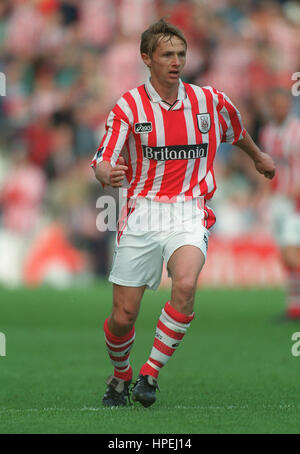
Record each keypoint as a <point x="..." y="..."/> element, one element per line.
<point x="65" y="72"/>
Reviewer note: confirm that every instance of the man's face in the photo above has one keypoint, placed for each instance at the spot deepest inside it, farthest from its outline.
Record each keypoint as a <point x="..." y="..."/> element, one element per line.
<point x="167" y="61"/>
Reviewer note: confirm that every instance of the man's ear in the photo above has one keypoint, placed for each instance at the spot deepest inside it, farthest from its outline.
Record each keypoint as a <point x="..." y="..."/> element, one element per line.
<point x="146" y="59"/>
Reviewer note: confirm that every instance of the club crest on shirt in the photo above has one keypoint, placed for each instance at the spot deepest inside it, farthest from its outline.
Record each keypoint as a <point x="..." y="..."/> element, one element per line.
<point x="204" y="122"/>
<point x="142" y="128"/>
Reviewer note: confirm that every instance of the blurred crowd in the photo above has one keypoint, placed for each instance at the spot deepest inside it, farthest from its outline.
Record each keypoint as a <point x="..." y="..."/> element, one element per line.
<point x="67" y="62"/>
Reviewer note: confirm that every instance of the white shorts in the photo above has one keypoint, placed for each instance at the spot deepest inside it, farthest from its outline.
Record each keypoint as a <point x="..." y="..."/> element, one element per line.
<point x="148" y="234"/>
<point x="285" y="222"/>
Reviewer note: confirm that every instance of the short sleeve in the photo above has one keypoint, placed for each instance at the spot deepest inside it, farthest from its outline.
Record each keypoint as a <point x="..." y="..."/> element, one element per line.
<point x="117" y="129"/>
<point x="231" y="122"/>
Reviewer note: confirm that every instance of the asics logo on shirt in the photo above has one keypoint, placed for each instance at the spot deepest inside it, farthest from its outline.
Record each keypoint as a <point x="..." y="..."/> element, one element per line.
<point x="175" y="152"/>
<point x="141" y="128"/>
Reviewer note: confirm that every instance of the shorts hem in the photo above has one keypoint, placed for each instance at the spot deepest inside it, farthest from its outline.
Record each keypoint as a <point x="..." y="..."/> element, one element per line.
<point x="118" y="281"/>
<point x="167" y="258"/>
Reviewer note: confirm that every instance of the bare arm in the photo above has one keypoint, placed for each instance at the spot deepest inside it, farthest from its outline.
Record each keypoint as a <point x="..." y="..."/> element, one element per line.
<point x="111" y="176"/>
<point x="264" y="164"/>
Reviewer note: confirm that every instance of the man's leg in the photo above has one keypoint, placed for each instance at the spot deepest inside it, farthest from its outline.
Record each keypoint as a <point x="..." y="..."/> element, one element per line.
<point x="119" y="337"/>
<point x="184" y="267"/>
<point x="291" y="259"/>
<point x="119" y="328"/>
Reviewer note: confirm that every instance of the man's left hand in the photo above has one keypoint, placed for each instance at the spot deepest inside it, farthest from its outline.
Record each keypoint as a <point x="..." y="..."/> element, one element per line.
<point x="264" y="164"/>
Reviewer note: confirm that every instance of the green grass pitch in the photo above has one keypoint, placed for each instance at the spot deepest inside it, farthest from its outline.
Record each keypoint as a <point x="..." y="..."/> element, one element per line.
<point x="233" y="373"/>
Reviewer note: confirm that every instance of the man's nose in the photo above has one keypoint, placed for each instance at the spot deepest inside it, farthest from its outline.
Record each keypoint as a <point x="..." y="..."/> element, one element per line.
<point x="176" y="60"/>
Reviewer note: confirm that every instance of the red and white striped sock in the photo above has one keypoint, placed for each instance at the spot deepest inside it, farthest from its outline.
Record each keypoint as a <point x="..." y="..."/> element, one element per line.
<point x="293" y="293"/>
<point x="119" y="350"/>
<point x="171" y="328"/>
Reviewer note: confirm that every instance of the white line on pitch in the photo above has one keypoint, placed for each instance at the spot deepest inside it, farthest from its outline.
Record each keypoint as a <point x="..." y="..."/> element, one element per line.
<point x="181" y="407"/>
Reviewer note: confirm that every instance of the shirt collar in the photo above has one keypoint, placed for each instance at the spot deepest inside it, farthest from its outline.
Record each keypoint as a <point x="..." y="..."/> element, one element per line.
<point x="155" y="97"/>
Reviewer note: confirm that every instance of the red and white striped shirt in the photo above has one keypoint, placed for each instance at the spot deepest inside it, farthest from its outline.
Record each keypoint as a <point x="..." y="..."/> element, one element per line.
<point x="169" y="149"/>
<point x="282" y="142"/>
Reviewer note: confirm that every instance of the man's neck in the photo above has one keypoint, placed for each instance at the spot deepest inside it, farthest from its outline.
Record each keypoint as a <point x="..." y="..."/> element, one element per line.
<point x="168" y="93"/>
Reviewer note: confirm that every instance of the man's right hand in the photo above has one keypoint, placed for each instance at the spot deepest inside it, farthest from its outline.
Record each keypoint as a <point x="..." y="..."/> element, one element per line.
<point x="117" y="173"/>
<point x="111" y="176"/>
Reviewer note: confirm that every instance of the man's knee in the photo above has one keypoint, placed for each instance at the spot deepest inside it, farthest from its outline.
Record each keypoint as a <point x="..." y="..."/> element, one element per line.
<point x="123" y="317"/>
<point x="184" y="289"/>
<point x="125" y="310"/>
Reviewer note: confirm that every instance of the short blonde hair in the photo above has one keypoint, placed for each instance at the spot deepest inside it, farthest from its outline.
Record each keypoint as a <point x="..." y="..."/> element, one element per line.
<point x="151" y="36"/>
